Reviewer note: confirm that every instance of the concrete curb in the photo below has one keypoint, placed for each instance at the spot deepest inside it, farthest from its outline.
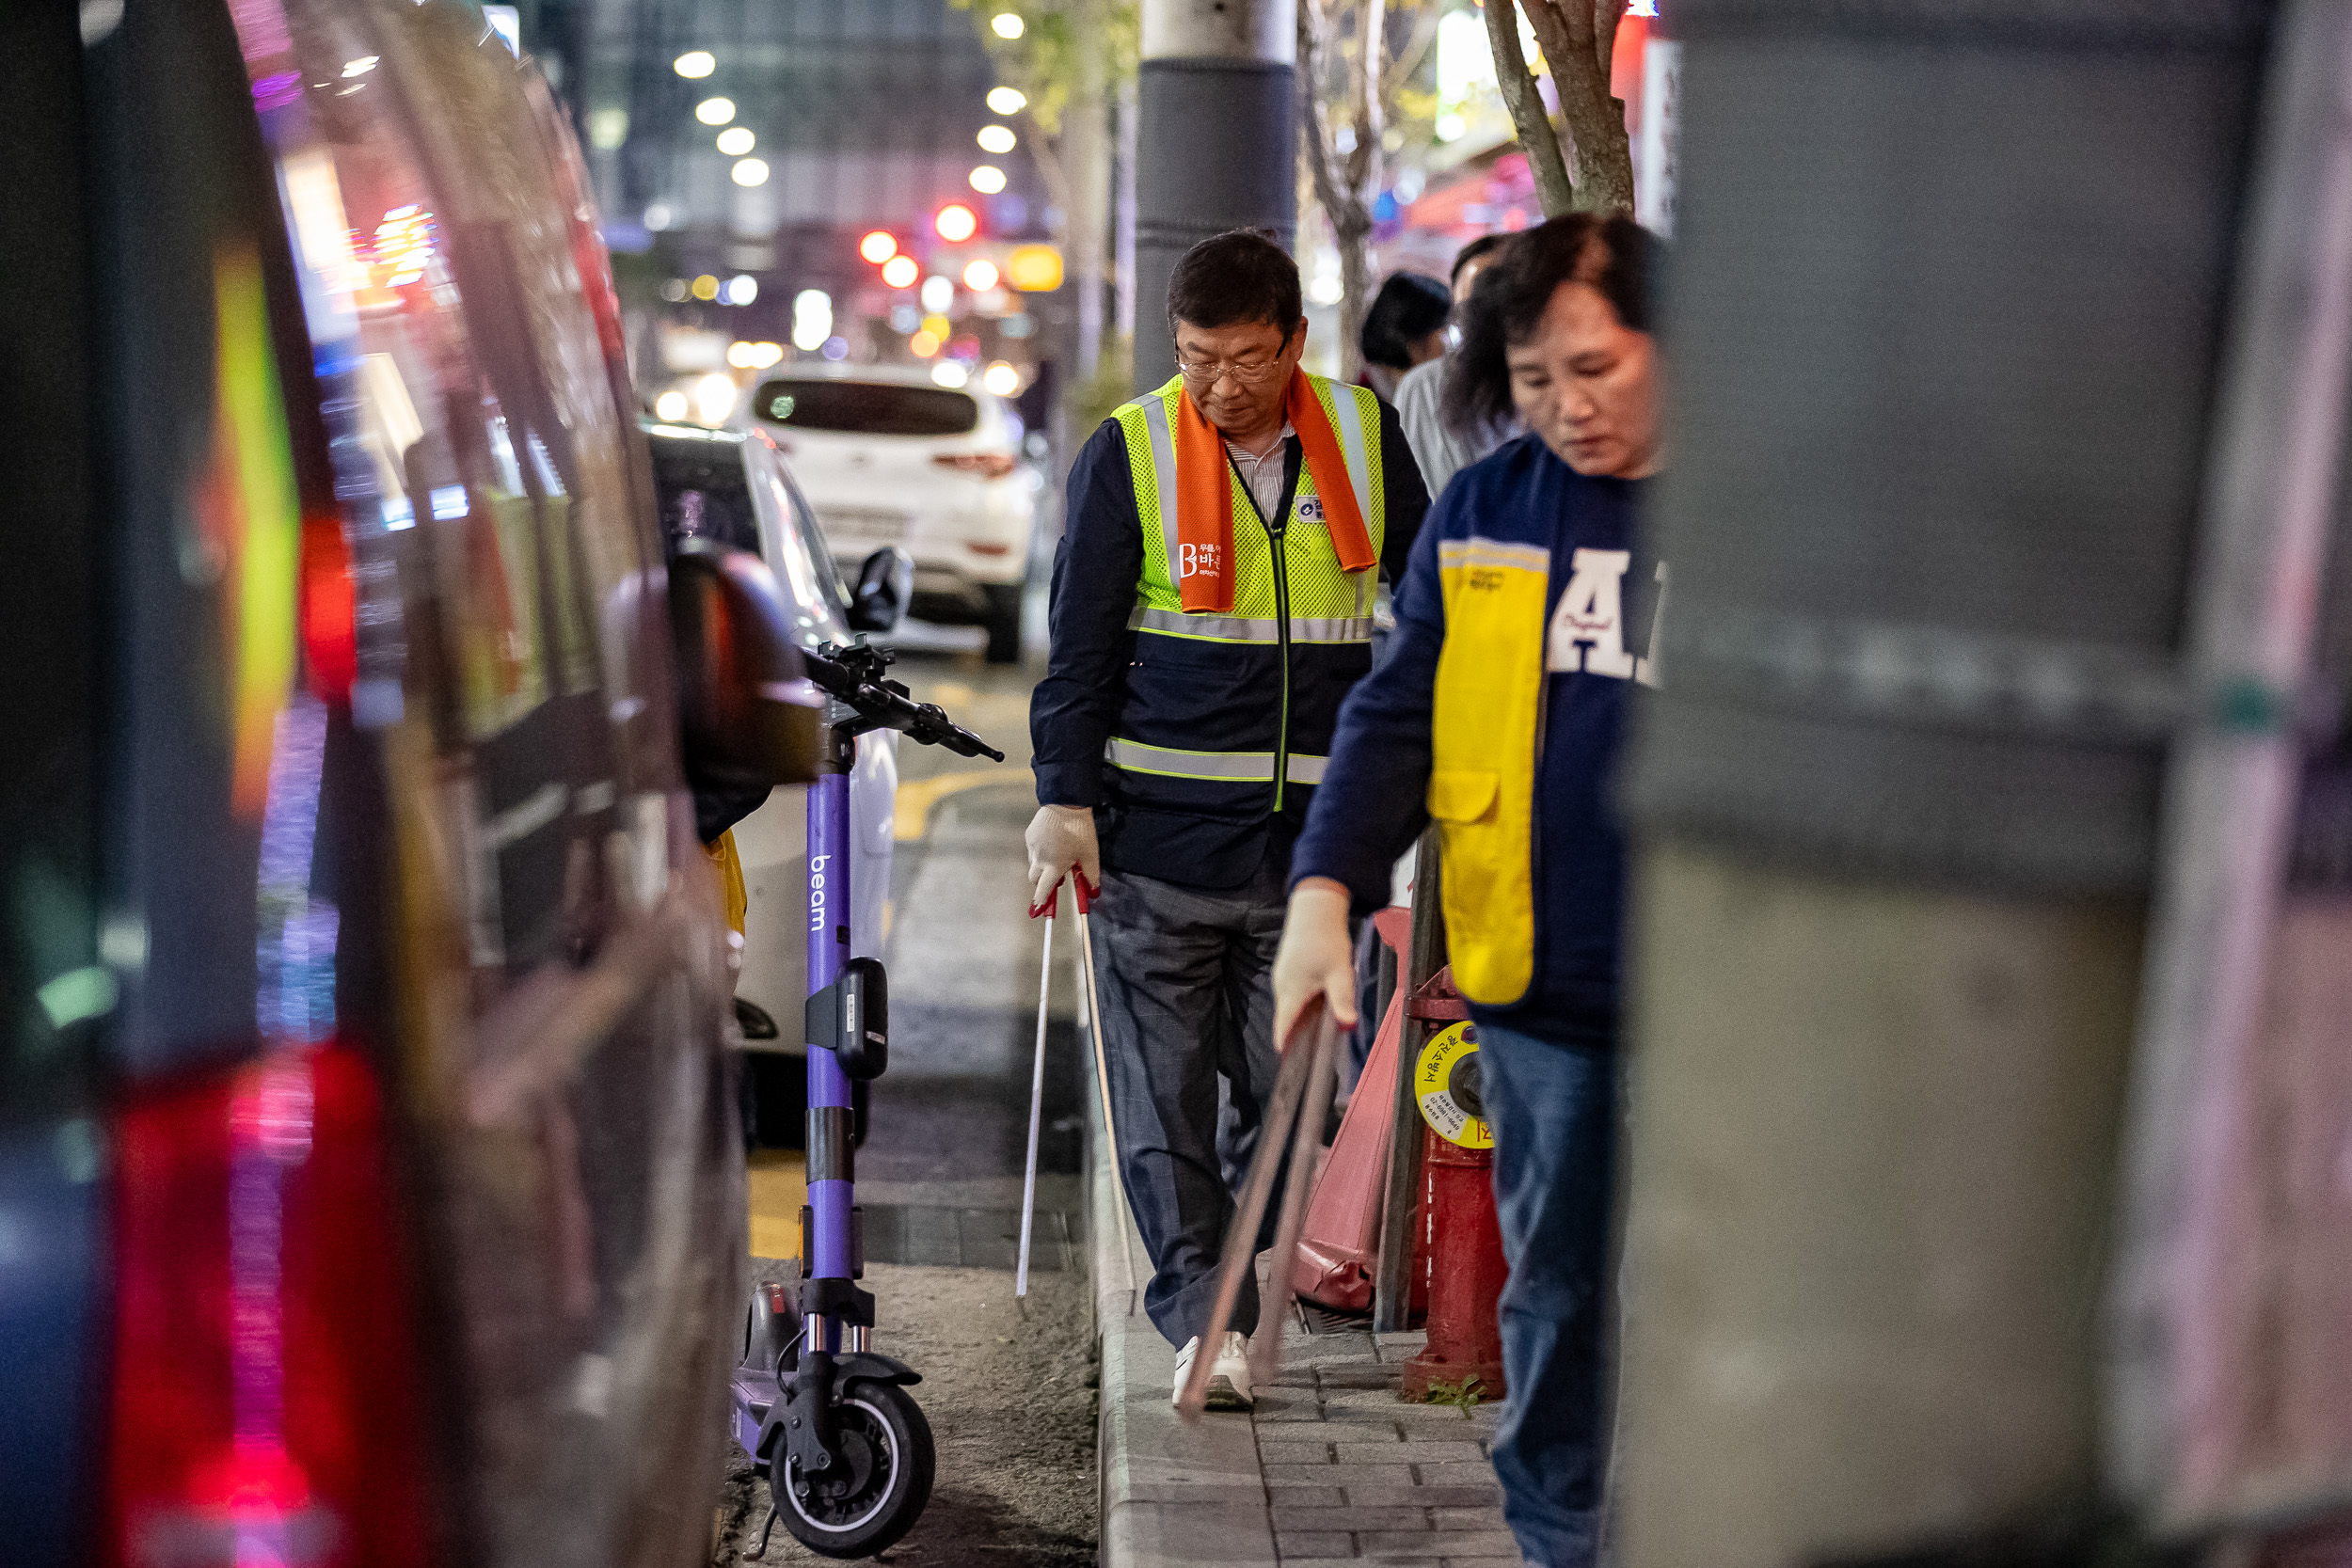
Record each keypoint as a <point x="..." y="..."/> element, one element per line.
<point x="1172" y="1496"/>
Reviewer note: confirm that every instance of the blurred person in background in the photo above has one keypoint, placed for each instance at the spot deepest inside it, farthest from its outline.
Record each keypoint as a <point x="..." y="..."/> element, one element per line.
<point x="1404" y="328"/>
<point x="1498" y="712"/>
<point x="1212" y="606"/>
<point x="1441" y="450"/>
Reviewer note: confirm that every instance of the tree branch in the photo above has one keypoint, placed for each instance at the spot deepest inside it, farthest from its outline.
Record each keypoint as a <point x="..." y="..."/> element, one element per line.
<point x="1518" y="85"/>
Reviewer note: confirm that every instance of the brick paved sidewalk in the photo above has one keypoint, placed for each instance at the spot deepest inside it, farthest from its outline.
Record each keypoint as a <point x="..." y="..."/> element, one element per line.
<point x="1330" y="1468"/>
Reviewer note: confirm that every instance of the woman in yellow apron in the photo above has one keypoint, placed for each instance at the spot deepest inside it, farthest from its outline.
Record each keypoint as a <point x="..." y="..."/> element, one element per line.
<point x="1525" y="626"/>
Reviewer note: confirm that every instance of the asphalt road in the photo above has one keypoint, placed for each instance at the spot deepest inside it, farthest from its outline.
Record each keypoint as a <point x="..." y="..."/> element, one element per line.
<point x="1008" y="1387"/>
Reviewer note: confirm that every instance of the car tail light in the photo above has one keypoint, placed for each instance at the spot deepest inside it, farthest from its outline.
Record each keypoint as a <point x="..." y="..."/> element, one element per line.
<point x="265" y="1406"/>
<point x="987" y="465"/>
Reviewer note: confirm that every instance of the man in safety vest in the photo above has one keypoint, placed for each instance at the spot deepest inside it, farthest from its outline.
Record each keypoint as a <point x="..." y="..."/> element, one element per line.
<point x="1212" y="604"/>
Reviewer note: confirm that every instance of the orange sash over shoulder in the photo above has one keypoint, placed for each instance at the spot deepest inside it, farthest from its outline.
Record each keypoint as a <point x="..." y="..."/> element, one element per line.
<point x="1204" y="498"/>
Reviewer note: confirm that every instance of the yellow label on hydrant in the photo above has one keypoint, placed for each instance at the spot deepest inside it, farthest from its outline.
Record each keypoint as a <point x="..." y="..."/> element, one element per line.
<point x="1446" y="1082"/>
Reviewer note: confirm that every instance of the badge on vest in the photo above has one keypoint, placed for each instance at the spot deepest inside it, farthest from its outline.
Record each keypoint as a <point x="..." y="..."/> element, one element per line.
<point x="1309" y="509"/>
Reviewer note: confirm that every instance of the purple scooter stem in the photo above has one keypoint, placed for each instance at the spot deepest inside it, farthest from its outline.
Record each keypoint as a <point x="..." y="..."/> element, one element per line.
<point x="831" y="1188"/>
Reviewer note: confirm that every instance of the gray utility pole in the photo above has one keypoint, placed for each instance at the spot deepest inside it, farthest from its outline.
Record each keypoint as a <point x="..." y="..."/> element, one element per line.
<point x="1942" y="357"/>
<point x="1218" y="148"/>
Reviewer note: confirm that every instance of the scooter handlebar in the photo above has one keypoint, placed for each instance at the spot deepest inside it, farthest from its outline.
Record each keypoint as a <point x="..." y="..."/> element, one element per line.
<point x="886" y="706"/>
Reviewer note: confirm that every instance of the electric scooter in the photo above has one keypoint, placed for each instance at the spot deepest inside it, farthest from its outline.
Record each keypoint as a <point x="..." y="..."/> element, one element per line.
<point x="828" y="1419"/>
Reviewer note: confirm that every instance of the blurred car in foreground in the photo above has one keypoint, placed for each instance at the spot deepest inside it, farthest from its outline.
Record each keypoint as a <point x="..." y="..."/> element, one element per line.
<point x="733" y="487"/>
<point x="888" y="457"/>
<point x="370" y="1178"/>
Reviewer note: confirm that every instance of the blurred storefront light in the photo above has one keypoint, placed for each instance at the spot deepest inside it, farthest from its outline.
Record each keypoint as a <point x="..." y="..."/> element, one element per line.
<point x="1001" y="379"/>
<point x="658" y="216"/>
<point x="900" y="272"/>
<point x="715" y="111"/>
<point x="956" y="223"/>
<point x="923" y="345"/>
<point x="996" y="138"/>
<point x="879" y="245"/>
<point x="1007" y="25"/>
<point x="837" y="349"/>
<point x="1007" y="101"/>
<point x="1034" y="269"/>
<point x="811" y="319"/>
<point x="751" y="171"/>
<point x="938" y="293"/>
<point x="981" y="276"/>
<point x="672" y="405"/>
<point x="737" y="140"/>
<point x="706" y="286"/>
<point x="741" y="289"/>
<point x="695" y="64"/>
<point x="608" y="128"/>
<point x="987" y="179"/>
<point x="937" y="325"/>
<point x="948" y="373"/>
<point x="359" y="67"/>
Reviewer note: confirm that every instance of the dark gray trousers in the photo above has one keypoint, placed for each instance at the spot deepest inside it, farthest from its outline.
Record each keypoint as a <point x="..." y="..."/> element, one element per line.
<point x="1187" y="982"/>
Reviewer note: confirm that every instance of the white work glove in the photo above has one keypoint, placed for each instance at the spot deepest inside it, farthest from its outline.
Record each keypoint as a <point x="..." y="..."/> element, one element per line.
<point x="1060" y="839"/>
<point x="1316" y="961"/>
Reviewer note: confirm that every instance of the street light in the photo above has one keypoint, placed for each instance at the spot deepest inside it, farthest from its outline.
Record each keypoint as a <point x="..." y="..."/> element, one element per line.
<point x="715" y="111"/>
<point x="735" y="140"/>
<point x="1006" y="24"/>
<point x="995" y="138"/>
<point x="988" y="178"/>
<point x="1007" y="101"/>
<point x="695" y="64"/>
<point x="751" y="171"/>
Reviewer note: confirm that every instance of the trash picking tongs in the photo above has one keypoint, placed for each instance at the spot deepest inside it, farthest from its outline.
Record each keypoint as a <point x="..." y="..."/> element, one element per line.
<point x="1085" y="901"/>
<point x="1306" y="1075"/>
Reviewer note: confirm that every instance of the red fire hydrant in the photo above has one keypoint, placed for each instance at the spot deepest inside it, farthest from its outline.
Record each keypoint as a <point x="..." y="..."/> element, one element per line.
<point x="1462" y="1240"/>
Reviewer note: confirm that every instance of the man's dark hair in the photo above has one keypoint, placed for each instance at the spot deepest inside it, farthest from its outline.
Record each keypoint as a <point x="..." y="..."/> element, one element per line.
<point x="1614" y="254"/>
<point x="1472" y="251"/>
<point x="1237" y="277"/>
<point x="1409" y="307"/>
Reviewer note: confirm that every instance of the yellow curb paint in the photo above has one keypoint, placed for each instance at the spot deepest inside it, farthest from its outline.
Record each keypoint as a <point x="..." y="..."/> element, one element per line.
<point x="910" y="811"/>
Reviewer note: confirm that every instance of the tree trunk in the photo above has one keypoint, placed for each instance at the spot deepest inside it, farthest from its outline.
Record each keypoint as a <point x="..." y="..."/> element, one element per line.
<point x="1356" y="291"/>
<point x="1603" y="174"/>
<point x="1518" y="85"/>
<point x="1086" y="152"/>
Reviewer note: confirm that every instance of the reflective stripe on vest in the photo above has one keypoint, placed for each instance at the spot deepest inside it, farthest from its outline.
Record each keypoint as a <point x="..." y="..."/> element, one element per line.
<point x="1253" y="768"/>
<point x="1242" y="628"/>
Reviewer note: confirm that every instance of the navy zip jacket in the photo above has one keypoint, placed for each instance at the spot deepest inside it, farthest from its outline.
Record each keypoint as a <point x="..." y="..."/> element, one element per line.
<point x="1092" y="677"/>
<point x="1372" y="803"/>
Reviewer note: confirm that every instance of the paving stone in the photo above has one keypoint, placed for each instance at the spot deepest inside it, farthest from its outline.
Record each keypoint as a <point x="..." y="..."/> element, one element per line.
<point x="1489" y="1495"/>
<point x="1305" y="1496"/>
<point x="1321" y="1563"/>
<point x="1438" y="1431"/>
<point x="1389" y="1453"/>
<point x="1470" y="1518"/>
<point x="1340" y="1475"/>
<point x="1286" y="1516"/>
<point x="1312" y="1544"/>
<point x="1287" y="1406"/>
<point x="1481" y="1543"/>
<point x="1379" y="1542"/>
<point x="1467" y="1472"/>
<point x="1424" y="1453"/>
<point x="1274" y="1451"/>
<point x="1374" y="1376"/>
<point x="1511" y="1560"/>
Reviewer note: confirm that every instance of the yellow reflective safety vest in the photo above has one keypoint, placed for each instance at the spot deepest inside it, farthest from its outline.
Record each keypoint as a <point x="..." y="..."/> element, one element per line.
<point x="1229" y="716"/>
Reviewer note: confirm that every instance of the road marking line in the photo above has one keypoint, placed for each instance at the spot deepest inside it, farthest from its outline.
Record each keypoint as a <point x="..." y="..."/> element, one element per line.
<point x="911" y="811"/>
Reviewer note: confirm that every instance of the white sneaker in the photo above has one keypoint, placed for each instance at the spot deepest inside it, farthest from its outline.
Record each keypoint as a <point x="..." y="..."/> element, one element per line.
<point x="1228" y="1374"/>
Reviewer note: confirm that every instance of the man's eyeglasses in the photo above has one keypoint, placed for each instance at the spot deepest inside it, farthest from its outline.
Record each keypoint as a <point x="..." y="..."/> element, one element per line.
<point x="1249" y="372"/>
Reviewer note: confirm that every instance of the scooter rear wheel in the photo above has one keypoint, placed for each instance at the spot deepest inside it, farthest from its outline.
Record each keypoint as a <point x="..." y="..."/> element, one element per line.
<point x="887" y="1445"/>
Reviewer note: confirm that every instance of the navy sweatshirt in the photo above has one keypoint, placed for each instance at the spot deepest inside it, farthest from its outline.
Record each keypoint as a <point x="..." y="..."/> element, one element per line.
<point x="1372" y="803"/>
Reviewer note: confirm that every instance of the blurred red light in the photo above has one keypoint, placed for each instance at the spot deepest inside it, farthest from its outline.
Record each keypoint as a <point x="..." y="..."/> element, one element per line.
<point x="878" y="246"/>
<point x="956" y="223"/>
<point x="330" y="642"/>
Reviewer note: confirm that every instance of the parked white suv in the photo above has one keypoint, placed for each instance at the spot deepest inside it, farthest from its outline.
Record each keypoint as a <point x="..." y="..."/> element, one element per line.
<point x="888" y="457"/>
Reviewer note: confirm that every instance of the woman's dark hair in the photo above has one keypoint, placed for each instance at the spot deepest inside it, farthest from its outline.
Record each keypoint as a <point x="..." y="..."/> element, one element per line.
<point x="1615" y="255"/>
<point x="1239" y="275"/>
<point x="1409" y="307"/>
<point x="1472" y="251"/>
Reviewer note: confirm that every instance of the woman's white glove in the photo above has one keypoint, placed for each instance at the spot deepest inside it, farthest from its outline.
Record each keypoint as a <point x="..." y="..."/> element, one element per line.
<point x="1061" y="838"/>
<point x="1316" y="961"/>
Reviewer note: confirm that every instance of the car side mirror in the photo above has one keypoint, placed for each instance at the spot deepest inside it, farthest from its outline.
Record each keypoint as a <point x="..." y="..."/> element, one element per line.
<point x="749" y="714"/>
<point x="885" y="585"/>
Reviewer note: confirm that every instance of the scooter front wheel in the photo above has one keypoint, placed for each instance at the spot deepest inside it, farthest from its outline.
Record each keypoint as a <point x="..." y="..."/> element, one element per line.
<point x="865" y="1503"/>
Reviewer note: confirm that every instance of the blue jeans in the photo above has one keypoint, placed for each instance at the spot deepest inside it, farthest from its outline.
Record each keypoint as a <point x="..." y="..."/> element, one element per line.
<point x="1554" y="1109"/>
